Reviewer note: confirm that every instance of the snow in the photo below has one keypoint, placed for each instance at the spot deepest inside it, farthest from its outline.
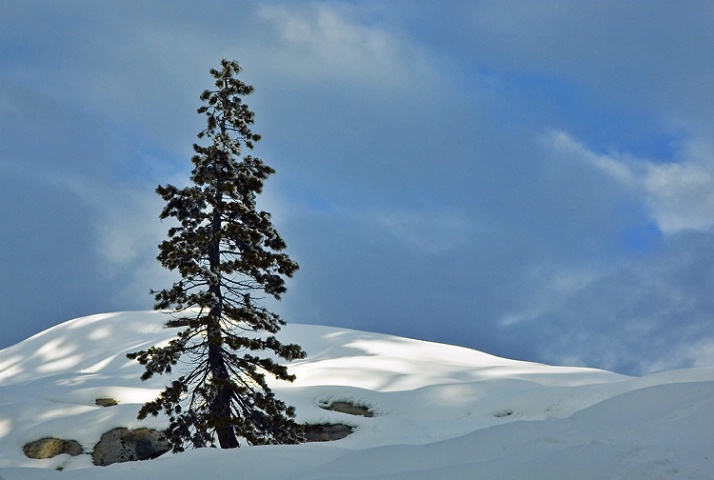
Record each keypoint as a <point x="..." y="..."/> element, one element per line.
<point x="441" y="411"/>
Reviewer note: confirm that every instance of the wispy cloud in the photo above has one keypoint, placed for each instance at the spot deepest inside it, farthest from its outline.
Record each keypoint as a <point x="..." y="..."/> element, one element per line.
<point x="429" y="232"/>
<point x="318" y="41"/>
<point x="678" y="194"/>
<point x="507" y="175"/>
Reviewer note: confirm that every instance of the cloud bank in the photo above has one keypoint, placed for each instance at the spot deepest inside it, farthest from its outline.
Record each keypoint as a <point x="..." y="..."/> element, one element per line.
<point x="532" y="180"/>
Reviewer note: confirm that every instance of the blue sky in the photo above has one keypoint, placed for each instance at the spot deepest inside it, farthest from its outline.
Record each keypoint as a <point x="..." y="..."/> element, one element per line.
<point x="531" y="179"/>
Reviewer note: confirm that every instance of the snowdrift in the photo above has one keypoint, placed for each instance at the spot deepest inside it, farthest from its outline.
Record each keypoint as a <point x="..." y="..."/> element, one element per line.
<point x="439" y="411"/>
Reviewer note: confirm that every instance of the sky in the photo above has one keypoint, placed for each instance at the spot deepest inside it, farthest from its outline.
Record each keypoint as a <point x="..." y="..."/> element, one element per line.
<point x="531" y="179"/>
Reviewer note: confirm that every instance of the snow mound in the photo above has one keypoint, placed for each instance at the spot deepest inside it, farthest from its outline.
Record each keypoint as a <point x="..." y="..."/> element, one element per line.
<point x="437" y="410"/>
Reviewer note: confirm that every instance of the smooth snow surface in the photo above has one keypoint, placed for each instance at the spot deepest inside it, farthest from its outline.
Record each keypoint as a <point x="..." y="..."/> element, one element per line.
<point x="441" y="412"/>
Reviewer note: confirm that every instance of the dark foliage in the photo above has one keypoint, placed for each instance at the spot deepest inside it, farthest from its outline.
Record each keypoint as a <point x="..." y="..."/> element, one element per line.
<point x="226" y="253"/>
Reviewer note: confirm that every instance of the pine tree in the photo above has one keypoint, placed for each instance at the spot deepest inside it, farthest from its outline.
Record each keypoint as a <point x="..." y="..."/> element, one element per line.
<point x="229" y="256"/>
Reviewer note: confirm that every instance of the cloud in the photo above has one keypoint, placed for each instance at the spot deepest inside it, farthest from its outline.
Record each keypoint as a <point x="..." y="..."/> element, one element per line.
<point x="320" y="41"/>
<point x="430" y="232"/>
<point x="546" y="288"/>
<point x="638" y="318"/>
<point x="697" y="353"/>
<point x="646" y="56"/>
<point x="531" y="179"/>
<point x="634" y="314"/>
<point x="128" y="228"/>
<point x="681" y="195"/>
<point x="565" y="145"/>
<point x="678" y="194"/>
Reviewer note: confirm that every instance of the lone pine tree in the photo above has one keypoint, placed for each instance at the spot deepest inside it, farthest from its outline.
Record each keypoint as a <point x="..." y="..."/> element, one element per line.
<point x="226" y="253"/>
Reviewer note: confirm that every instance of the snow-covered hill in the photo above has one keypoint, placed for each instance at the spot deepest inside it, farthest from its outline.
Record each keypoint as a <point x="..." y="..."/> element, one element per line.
<point x="440" y="412"/>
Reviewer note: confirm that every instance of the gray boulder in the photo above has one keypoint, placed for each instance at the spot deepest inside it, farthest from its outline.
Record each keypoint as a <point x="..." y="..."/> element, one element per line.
<point x="349" y="408"/>
<point x="105" y="402"/>
<point x="123" y="445"/>
<point x="50" y="447"/>
<point x="326" y="432"/>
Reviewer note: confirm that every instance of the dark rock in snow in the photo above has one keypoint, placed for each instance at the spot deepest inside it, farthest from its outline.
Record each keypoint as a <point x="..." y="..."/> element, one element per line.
<point x="51" y="447"/>
<point x="349" y="408"/>
<point x="123" y="445"/>
<point x="326" y="432"/>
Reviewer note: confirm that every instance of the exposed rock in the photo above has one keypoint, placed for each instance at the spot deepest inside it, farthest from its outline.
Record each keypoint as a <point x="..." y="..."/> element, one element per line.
<point x="123" y="445"/>
<point x="51" y="447"/>
<point x="326" y="432"/>
<point x="349" y="408"/>
<point x="105" y="402"/>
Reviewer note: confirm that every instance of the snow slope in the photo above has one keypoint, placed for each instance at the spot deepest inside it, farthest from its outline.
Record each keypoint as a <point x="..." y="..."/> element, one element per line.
<point x="441" y="411"/>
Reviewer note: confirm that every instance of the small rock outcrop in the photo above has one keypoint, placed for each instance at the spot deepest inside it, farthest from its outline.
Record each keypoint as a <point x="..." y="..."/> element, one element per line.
<point x="51" y="447"/>
<point x="349" y="408"/>
<point x="105" y="402"/>
<point x="123" y="445"/>
<point x="326" y="432"/>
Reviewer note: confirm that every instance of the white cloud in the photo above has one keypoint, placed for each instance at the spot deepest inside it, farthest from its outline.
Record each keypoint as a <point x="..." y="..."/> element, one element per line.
<point x="126" y="219"/>
<point x="431" y="232"/>
<point x="699" y="354"/>
<point x="679" y="195"/>
<point x="565" y="145"/>
<point x="320" y="41"/>
<point x="128" y="232"/>
<point x="553" y="286"/>
<point x="129" y="227"/>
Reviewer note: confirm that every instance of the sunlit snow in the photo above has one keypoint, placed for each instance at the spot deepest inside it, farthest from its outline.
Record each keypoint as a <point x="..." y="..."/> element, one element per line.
<point x="441" y="412"/>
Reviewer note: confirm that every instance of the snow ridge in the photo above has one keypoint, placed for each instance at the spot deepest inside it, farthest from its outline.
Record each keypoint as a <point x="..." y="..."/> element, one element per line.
<point x="440" y="411"/>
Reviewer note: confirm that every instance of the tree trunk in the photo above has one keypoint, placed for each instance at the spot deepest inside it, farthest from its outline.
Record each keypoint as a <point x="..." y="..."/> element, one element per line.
<point x="220" y="407"/>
